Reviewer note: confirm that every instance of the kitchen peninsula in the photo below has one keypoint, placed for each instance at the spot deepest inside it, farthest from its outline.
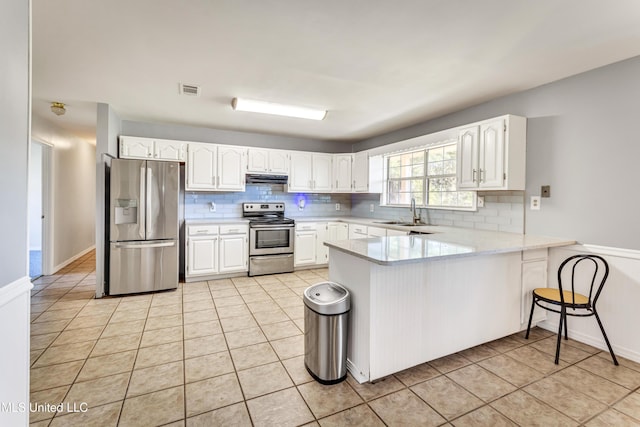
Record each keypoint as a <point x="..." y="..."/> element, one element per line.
<point x="419" y="297"/>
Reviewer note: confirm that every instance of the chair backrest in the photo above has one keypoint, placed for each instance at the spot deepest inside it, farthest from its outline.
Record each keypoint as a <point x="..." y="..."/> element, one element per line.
<point x="589" y="267"/>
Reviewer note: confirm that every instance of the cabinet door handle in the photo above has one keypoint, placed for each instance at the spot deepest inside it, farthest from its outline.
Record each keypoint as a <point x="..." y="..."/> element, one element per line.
<point x="480" y="176"/>
<point x="474" y="176"/>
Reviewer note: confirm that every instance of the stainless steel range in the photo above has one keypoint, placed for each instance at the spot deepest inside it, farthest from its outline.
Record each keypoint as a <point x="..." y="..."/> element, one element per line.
<point x="270" y="238"/>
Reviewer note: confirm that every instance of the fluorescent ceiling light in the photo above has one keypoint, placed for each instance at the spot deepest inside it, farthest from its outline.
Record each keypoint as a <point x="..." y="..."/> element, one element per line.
<point x="242" y="104"/>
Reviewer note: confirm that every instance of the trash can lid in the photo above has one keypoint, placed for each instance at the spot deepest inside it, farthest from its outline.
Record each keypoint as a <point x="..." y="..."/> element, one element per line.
<point x="327" y="298"/>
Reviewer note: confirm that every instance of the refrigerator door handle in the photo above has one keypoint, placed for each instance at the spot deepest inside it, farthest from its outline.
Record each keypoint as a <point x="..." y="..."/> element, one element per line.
<point x="149" y="220"/>
<point x="142" y="208"/>
<point x="144" y="245"/>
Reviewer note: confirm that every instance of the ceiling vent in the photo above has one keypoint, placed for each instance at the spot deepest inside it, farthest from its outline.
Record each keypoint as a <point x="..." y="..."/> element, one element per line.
<point x="189" y="90"/>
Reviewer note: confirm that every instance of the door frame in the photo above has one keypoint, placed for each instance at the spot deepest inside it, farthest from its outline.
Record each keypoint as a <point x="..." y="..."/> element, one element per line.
<point x="47" y="204"/>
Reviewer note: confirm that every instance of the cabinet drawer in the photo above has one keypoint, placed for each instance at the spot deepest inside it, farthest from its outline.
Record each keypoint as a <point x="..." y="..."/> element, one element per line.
<point x="376" y="232"/>
<point x="306" y="226"/>
<point x="357" y="228"/>
<point x="234" y="229"/>
<point x="202" y="230"/>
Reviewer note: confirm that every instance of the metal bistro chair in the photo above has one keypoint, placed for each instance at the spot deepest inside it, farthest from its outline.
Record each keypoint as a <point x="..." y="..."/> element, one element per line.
<point x="595" y="268"/>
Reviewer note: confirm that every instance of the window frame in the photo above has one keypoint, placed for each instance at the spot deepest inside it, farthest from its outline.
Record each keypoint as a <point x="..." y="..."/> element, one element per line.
<point x="384" y="198"/>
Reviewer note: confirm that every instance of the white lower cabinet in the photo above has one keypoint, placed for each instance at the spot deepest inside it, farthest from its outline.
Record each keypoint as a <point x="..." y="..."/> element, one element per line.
<point x="233" y="248"/>
<point x="337" y="231"/>
<point x="216" y="249"/>
<point x="305" y="246"/>
<point x="534" y="275"/>
<point x="322" y="252"/>
<point x="202" y="249"/>
<point x="376" y="232"/>
<point x="357" y="231"/>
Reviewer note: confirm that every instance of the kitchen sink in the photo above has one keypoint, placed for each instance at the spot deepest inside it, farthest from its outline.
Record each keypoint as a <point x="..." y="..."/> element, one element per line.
<point x="406" y="224"/>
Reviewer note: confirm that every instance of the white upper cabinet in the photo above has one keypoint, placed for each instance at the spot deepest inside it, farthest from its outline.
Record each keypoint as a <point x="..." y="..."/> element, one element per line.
<point x="322" y="172"/>
<point x="213" y="167"/>
<point x="342" y="172"/>
<point x="133" y="147"/>
<point x="279" y="162"/>
<point x="257" y="160"/>
<point x="231" y="167"/>
<point x="165" y="149"/>
<point x="360" y="172"/>
<point x="491" y="155"/>
<point x="300" y="174"/>
<point x="268" y="161"/>
<point x="367" y="173"/>
<point x="310" y="172"/>
<point x="202" y="167"/>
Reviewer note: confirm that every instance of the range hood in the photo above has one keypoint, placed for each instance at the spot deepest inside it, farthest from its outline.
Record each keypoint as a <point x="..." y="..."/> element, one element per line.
<point x="256" y="178"/>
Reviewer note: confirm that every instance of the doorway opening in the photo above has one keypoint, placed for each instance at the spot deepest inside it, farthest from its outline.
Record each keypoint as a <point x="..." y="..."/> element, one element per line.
<point x="39" y="209"/>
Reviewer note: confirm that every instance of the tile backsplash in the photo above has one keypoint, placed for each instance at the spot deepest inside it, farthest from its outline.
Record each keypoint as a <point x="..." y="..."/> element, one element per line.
<point x="503" y="210"/>
<point x="229" y="204"/>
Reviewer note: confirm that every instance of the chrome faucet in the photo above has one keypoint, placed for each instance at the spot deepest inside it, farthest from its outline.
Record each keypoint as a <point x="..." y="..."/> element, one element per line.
<point x="415" y="216"/>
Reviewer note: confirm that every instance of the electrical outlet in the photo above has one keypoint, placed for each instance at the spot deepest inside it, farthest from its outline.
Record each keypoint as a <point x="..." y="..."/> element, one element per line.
<point x="337" y="206"/>
<point x="212" y="207"/>
<point x="481" y="201"/>
<point x="535" y="203"/>
<point x="371" y="207"/>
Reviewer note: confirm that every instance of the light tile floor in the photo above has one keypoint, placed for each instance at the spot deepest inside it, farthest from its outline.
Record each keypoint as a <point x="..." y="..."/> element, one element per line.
<point x="230" y="352"/>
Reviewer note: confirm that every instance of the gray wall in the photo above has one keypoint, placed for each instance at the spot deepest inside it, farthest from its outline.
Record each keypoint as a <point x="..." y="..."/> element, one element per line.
<point x="14" y="138"/>
<point x="583" y="140"/>
<point x="72" y="217"/>
<point x="217" y="136"/>
<point x="108" y="127"/>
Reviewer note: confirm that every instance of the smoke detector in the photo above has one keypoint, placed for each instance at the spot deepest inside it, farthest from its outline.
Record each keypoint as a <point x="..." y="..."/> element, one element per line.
<point x="189" y="90"/>
<point x="57" y="108"/>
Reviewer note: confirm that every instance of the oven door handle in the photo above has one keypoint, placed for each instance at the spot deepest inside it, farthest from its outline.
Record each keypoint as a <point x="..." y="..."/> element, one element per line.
<point x="273" y="227"/>
<point x="268" y="257"/>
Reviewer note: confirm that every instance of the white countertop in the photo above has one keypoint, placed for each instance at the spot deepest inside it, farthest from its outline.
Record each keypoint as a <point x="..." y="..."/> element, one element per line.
<point x="216" y="221"/>
<point x="445" y="242"/>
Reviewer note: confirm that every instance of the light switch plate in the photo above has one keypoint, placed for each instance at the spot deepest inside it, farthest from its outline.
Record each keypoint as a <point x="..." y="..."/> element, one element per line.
<point x="371" y="207"/>
<point x="212" y="207"/>
<point x="337" y="206"/>
<point x="481" y="201"/>
<point x="535" y="203"/>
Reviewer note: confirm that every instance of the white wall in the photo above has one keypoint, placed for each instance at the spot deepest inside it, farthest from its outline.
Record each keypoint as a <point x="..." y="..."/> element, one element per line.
<point x="35" y="197"/>
<point x="617" y="305"/>
<point x="582" y="139"/>
<point x="74" y="192"/>
<point x="108" y="127"/>
<point x="14" y="166"/>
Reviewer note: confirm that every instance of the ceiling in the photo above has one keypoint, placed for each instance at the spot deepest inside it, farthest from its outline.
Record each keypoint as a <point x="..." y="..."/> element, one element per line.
<point x="375" y="65"/>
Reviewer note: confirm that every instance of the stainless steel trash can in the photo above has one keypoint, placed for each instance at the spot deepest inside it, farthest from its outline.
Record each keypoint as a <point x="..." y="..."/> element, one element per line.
<point x="326" y="321"/>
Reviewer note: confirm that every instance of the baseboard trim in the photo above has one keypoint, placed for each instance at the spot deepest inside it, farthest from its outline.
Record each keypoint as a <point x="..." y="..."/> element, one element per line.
<point x="73" y="258"/>
<point x="14" y="289"/>
<point x="597" y="342"/>
<point x="355" y="372"/>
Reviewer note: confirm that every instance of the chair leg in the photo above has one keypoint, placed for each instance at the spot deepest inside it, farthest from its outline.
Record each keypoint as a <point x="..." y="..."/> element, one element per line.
<point x="606" y="340"/>
<point x="566" y="335"/>
<point x="562" y="317"/>
<point x="533" y="306"/>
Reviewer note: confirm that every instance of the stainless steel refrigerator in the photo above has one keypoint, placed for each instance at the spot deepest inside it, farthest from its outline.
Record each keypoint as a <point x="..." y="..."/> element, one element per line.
<point x="143" y="234"/>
